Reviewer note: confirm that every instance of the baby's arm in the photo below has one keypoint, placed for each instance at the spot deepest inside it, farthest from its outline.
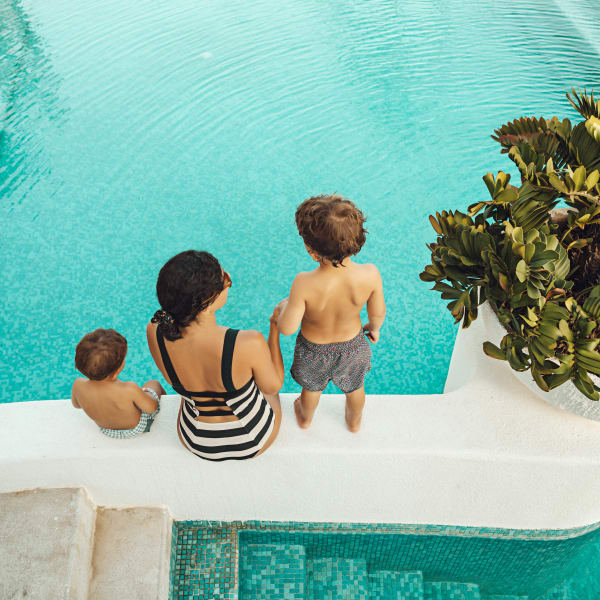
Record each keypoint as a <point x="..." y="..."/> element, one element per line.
<point x="143" y="400"/>
<point x="292" y="310"/>
<point x="375" y="308"/>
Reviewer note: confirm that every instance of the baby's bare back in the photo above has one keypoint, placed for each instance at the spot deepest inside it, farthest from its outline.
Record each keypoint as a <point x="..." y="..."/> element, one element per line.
<point x="110" y="405"/>
<point x="334" y="297"/>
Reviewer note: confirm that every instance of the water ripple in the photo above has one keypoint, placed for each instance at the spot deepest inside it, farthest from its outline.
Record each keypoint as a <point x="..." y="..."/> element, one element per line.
<point x="132" y="128"/>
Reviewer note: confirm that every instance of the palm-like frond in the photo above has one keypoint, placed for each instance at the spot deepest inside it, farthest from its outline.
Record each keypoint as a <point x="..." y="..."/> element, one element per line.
<point x="523" y="129"/>
<point x="529" y="140"/>
<point x="583" y="149"/>
<point x="586" y="106"/>
<point x="532" y="208"/>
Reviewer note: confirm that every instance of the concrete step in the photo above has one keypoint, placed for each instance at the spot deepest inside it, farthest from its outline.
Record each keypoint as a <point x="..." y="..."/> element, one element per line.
<point x="392" y="585"/>
<point x="451" y="590"/>
<point x="336" y="579"/>
<point x="46" y="541"/>
<point x="131" y="557"/>
<point x="272" y="572"/>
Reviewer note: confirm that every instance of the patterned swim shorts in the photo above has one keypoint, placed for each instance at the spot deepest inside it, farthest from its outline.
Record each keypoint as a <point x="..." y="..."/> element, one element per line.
<point x="344" y="363"/>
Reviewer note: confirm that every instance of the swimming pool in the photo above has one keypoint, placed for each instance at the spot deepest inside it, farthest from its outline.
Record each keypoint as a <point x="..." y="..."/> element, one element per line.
<point x="324" y="561"/>
<point x="134" y="130"/>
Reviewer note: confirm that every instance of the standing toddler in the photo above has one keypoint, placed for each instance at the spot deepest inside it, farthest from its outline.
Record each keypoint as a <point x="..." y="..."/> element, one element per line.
<point x="326" y="303"/>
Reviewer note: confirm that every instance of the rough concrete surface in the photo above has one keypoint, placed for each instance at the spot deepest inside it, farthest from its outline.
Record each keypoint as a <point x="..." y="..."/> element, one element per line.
<point x="131" y="554"/>
<point x="45" y="544"/>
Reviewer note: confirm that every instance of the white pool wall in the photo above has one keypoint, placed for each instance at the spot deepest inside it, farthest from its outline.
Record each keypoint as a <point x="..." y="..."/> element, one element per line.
<point x="487" y="452"/>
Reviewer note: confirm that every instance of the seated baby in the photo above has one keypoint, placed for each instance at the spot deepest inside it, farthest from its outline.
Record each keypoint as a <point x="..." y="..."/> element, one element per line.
<point x="120" y="408"/>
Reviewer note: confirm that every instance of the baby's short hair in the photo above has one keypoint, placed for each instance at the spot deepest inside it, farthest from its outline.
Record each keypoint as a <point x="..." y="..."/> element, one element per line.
<point x="331" y="226"/>
<point x="100" y="353"/>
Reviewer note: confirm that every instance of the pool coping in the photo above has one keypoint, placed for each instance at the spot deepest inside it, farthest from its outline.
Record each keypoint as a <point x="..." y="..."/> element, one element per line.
<point x="397" y="528"/>
<point x="486" y="453"/>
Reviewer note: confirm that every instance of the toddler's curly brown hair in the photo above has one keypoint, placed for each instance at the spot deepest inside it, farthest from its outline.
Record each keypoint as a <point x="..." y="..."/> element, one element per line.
<point x="100" y="353"/>
<point x="331" y="226"/>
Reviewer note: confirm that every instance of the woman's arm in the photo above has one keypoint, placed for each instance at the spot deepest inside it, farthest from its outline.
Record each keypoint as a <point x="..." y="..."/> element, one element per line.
<point x="265" y="357"/>
<point x="274" y="346"/>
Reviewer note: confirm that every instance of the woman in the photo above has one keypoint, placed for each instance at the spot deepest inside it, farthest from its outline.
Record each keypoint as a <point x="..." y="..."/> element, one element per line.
<point x="234" y="412"/>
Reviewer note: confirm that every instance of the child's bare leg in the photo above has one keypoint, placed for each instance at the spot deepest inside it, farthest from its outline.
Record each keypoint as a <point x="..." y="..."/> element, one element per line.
<point x="305" y="406"/>
<point x="354" y="407"/>
<point x="155" y="385"/>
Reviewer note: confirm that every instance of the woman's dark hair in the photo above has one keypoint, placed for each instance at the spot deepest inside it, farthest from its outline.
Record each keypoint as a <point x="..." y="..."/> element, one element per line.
<point x="187" y="284"/>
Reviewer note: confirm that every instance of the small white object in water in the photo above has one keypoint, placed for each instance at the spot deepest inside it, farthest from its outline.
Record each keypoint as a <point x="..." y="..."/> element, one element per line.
<point x="206" y="55"/>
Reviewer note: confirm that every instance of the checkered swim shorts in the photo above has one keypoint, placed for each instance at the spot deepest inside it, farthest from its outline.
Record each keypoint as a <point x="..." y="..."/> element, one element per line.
<point x="146" y="420"/>
<point x="344" y="363"/>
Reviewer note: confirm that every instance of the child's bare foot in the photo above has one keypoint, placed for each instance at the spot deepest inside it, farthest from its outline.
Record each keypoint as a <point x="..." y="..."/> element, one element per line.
<point x="353" y="421"/>
<point x="303" y="422"/>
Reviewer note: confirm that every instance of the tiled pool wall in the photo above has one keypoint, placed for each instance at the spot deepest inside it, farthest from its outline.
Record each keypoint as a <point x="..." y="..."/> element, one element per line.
<point x="205" y="554"/>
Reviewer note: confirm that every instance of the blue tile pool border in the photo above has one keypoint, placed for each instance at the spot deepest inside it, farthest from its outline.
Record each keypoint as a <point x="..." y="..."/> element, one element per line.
<point x="204" y="554"/>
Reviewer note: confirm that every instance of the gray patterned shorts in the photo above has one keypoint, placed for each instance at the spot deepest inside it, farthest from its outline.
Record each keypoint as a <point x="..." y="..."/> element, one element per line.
<point x="344" y="363"/>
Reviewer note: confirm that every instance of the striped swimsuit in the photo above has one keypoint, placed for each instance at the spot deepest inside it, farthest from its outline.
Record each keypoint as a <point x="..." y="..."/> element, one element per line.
<point x="233" y="440"/>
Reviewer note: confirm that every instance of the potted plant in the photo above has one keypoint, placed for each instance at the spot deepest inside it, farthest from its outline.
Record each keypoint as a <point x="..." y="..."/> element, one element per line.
<point x="536" y="266"/>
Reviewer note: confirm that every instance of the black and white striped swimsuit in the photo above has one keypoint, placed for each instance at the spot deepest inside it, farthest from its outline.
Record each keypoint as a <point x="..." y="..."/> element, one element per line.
<point x="233" y="440"/>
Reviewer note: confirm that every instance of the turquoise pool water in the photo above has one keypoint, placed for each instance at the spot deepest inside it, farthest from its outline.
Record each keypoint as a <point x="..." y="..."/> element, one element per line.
<point x="333" y="561"/>
<point x="134" y="130"/>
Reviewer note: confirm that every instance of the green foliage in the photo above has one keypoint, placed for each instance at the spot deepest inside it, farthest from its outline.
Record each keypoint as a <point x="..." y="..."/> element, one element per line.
<point x="541" y="273"/>
<point x="586" y="106"/>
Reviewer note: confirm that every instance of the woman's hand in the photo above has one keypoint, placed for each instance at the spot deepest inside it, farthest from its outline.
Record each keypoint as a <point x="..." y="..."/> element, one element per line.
<point x="277" y="311"/>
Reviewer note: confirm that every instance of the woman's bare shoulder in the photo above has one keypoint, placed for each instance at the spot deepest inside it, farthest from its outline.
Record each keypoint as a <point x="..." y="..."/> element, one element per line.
<point x="250" y="338"/>
<point x="151" y="333"/>
<point x="250" y="347"/>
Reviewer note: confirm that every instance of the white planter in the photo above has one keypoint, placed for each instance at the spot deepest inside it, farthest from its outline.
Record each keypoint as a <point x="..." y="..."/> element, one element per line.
<point x="565" y="396"/>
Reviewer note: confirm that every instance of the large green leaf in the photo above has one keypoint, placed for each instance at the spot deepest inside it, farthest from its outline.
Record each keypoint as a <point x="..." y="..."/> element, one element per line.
<point x="493" y="351"/>
<point x="583" y="149"/>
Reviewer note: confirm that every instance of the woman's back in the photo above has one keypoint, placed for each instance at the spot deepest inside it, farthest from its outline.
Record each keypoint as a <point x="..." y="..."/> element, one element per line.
<point x="218" y="372"/>
<point x="197" y="358"/>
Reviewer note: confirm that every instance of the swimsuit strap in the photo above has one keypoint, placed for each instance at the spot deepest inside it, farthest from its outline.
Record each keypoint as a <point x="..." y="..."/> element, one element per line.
<point x="227" y="359"/>
<point x="175" y="383"/>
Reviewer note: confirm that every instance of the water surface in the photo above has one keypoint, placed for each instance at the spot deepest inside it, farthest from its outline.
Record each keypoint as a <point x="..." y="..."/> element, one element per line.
<point x="134" y="130"/>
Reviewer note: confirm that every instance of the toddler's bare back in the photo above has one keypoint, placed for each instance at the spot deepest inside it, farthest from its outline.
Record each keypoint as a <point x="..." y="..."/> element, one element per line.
<point x="334" y="298"/>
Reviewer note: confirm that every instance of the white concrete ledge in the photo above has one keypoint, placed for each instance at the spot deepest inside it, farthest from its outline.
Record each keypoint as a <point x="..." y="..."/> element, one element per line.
<point x="486" y="453"/>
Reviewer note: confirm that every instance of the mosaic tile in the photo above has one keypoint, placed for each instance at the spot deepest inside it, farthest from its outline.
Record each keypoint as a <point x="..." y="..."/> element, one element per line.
<point x="561" y="592"/>
<point x="336" y="579"/>
<point x="205" y="563"/>
<point x="272" y="572"/>
<point x="512" y="563"/>
<point x="504" y="597"/>
<point x="450" y="590"/>
<point x="390" y="585"/>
